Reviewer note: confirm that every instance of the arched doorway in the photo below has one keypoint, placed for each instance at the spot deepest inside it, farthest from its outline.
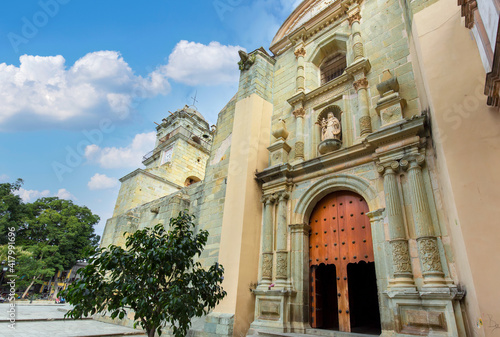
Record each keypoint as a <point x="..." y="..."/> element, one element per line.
<point x="342" y="270"/>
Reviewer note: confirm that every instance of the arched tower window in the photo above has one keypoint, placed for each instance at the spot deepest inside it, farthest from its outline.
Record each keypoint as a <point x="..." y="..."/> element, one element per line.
<point x="191" y="180"/>
<point x="332" y="67"/>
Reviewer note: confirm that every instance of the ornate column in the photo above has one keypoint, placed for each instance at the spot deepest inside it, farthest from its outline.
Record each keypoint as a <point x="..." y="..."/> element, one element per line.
<point x="300" y="266"/>
<point x="365" y="122"/>
<point x="357" y="41"/>
<point x="428" y="249"/>
<point x="299" y="133"/>
<point x="300" y="52"/>
<point x="267" y="242"/>
<point x="401" y="261"/>
<point x="281" y="240"/>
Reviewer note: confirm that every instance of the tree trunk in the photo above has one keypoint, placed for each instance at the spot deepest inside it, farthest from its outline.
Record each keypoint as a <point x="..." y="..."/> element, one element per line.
<point x="55" y="285"/>
<point x="27" y="289"/>
<point x="151" y="333"/>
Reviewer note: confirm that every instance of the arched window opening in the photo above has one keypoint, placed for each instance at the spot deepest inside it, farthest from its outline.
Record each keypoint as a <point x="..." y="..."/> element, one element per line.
<point x="332" y="67"/>
<point x="191" y="180"/>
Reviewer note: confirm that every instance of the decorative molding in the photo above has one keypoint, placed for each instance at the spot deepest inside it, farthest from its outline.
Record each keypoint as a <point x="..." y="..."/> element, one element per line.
<point x="267" y="266"/>
<point x="492" y="86"/>
<point x="298" y="27"/>
<point x="281" y="265"/>
<point x="299" y="149"/>
<point x="406" y="133"/>
<point x="365" y="125"/>
<point x="401" y="257"/>
<point x="468" y="8"/>
<point x="429" y="255"/>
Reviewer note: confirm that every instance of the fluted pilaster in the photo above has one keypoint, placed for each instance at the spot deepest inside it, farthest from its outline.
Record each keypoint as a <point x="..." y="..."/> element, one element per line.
<point x="281" y="240"/>
<point x="401" y="261"/>
<point x="267" y="242"/>
<point x="428" y="249"/>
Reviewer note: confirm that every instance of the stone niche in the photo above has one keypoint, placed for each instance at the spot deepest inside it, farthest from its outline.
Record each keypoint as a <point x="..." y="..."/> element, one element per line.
<point x="330" y="125"/>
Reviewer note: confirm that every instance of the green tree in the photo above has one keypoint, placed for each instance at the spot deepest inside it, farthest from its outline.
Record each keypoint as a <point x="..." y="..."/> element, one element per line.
<point x="59" y="223"/>
<point x="156" y="276"/>
<point x="30" y="265"/>
<point x="13" y="212"/>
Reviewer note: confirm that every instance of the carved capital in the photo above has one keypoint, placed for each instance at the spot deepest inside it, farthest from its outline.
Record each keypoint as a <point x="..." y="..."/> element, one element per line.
<point x="267" y="199"/>
<point x="353" y="18"/>
<point x="361" y="84"/>
<point x="283" y="195"/>
<point x="300" y="52"/>
<point x="413" y="162"/>
<point x="388" y="168"/>
<point x="299" y="113"/>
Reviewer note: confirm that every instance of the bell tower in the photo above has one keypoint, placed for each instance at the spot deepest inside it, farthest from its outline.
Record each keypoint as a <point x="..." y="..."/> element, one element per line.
<point x="179" y="158"/>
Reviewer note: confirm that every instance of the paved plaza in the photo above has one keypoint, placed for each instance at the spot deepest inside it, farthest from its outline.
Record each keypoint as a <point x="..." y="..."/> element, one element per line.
<point x="46" y="320"/>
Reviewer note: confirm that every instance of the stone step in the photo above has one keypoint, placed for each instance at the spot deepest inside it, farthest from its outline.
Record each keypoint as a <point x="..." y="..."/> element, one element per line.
<point x="118" y="334"/>
<point x="313" y="333"/>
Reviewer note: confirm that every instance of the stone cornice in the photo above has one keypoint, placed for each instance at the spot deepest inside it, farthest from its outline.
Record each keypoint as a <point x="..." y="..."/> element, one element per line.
<point x="301" y="97"/>
<point x="364" y="152"/>
<point x="150" y="175"/>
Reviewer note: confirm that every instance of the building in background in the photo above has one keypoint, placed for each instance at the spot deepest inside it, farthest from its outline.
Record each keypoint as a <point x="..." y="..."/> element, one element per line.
<point x="351" y="184"/>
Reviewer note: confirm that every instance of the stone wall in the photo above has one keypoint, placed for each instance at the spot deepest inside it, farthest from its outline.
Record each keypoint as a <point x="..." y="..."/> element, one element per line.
<point x="209" y="207"/>
<point x="140" y="187"/>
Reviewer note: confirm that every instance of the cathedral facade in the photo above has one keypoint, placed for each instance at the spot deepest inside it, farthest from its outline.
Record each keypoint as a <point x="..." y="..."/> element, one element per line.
<point x="349" y="187"/>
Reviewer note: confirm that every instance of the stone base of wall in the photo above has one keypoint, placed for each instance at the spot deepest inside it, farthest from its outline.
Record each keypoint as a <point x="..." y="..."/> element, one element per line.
<point x="216" y="325"/>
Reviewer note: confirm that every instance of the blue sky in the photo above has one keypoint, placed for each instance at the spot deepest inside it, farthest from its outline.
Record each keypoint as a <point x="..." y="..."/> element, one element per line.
<point x="82" y="81"/>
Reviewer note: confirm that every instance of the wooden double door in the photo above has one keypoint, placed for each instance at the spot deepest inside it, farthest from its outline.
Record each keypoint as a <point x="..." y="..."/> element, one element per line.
<point x="340" y="256"/>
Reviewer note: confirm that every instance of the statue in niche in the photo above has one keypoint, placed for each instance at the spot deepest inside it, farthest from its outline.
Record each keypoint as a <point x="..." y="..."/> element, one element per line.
<point x="330" y="127"/>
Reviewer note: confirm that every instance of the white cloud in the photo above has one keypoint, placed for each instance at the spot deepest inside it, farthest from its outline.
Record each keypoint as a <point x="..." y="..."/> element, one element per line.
<point x="43" y="92"/>
<point x="129" y="156"/>
<point x="4" y="178"/>
<point x="102" y="182"/>
<point x="65" y="194"/>
<point x="31" y="195"/>
<point x="195" y="63"/>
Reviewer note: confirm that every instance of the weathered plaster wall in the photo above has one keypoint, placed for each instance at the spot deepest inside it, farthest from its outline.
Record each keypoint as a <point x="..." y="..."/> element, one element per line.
<point x="466" y="137"/>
